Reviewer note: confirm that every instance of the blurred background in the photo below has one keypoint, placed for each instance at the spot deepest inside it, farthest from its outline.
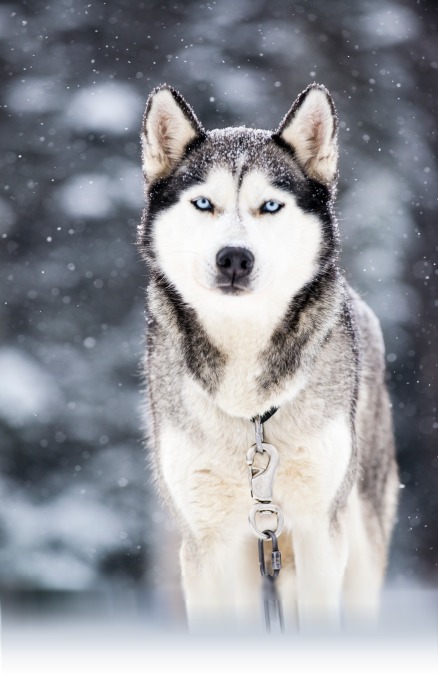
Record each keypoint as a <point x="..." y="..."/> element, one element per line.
<point x="77" y="509"/>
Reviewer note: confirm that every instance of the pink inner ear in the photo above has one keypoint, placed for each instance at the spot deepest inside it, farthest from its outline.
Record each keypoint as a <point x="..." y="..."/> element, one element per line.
<point x="163" y="129"/>
<point x="317" y="137"/>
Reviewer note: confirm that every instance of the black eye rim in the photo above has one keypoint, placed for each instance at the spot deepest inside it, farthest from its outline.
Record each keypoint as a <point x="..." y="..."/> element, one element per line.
<point x="210" y="207"/>
<point x="263" y="210"/>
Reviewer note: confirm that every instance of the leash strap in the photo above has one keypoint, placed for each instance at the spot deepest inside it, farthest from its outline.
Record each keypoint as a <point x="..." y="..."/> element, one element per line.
<point x="272" y="605"/>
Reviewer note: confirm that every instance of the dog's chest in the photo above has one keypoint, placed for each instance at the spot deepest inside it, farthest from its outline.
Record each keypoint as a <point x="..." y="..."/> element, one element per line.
<point x="208" y="479"/>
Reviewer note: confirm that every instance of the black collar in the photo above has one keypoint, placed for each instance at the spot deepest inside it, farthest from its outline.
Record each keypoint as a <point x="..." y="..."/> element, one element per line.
<point x="266" y="416"/>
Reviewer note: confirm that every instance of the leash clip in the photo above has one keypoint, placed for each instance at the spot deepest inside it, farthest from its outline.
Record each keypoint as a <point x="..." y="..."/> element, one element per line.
<point x="261" y="480"/>
<point x="275" y="555"/>
<point x="266" y="510"/>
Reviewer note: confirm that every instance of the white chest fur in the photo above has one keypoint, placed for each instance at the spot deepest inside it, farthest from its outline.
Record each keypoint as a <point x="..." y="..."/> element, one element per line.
<point x="207" y="475"/>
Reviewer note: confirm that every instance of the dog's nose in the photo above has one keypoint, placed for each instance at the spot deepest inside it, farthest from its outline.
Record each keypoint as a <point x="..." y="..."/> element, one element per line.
<point x="235" y="263"/>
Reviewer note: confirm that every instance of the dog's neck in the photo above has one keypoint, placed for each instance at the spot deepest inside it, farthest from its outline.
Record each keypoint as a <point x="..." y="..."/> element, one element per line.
<point x="247" y="365"/>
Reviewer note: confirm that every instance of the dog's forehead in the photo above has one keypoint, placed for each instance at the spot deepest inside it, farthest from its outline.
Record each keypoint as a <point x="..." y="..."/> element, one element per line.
<point x="238" y="151"/>
<point x="231" y="143"/>
<point x="234" y="148"/>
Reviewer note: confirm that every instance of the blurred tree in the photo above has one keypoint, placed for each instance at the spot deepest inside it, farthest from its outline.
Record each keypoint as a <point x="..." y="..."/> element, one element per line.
<point x="75" y="79"/>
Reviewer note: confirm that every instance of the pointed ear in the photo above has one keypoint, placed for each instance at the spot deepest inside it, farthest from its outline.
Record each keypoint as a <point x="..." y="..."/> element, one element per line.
<point x="310" y="129"/>
<point x="169" y="125"/>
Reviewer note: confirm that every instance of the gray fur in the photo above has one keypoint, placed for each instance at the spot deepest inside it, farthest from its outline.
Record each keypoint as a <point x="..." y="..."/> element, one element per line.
<point x="328" y="334"/>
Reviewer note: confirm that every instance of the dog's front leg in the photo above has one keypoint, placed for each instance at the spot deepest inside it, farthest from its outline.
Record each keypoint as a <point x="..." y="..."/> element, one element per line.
<point x="319" y="522"/>
<point x="220" y="582"/>
<point x="320" y="557"/>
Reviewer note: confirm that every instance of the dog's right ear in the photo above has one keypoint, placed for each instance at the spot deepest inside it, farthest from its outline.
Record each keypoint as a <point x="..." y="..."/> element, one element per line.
<point x="169" y="125"/>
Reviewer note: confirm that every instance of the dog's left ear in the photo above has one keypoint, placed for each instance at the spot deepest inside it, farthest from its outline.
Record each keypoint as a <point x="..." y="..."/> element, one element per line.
<point x="310" y="129"/>
<point x="169" y="126"/>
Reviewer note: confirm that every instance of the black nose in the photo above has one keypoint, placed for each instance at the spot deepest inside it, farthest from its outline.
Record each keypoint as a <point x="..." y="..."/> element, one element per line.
<point x="235" y="263"/>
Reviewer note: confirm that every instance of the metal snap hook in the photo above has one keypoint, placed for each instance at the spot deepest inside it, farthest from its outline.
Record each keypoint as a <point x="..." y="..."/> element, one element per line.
<point x="261" y="480"/>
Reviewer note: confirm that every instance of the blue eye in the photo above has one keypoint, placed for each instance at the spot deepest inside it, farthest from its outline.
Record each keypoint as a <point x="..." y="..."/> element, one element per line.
<point x="203" y="204"/>
<point x="271" y="206"/>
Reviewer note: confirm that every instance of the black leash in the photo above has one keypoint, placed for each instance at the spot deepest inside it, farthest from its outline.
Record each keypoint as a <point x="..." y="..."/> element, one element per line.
<point x="272" y="607"/>
<point x="271" y="601"/>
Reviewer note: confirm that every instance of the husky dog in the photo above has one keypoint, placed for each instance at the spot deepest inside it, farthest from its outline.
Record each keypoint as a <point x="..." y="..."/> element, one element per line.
<point x="249" y="312"/>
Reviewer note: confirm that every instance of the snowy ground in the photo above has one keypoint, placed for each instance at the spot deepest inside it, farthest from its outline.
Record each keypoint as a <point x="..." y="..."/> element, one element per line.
<point x="133" y="631"/>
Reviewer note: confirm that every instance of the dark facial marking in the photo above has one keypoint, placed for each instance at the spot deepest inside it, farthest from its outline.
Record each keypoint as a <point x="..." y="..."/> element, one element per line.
<point x="165" y="192"/>
<point x="204" y="361"/>
<point x="288" y="343"/>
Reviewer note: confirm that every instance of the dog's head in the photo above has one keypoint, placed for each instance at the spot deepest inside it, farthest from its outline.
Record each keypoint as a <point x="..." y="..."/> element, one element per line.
<point x="238" y="214"/>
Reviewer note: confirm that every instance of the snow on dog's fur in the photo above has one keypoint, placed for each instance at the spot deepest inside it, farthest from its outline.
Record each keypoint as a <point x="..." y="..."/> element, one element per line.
<point x="248" y="311"/>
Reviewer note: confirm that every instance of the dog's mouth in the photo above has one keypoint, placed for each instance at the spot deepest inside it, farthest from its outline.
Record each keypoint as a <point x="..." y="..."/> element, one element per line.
<point x="230" y="289"/>
<point x="233" y="285"/>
